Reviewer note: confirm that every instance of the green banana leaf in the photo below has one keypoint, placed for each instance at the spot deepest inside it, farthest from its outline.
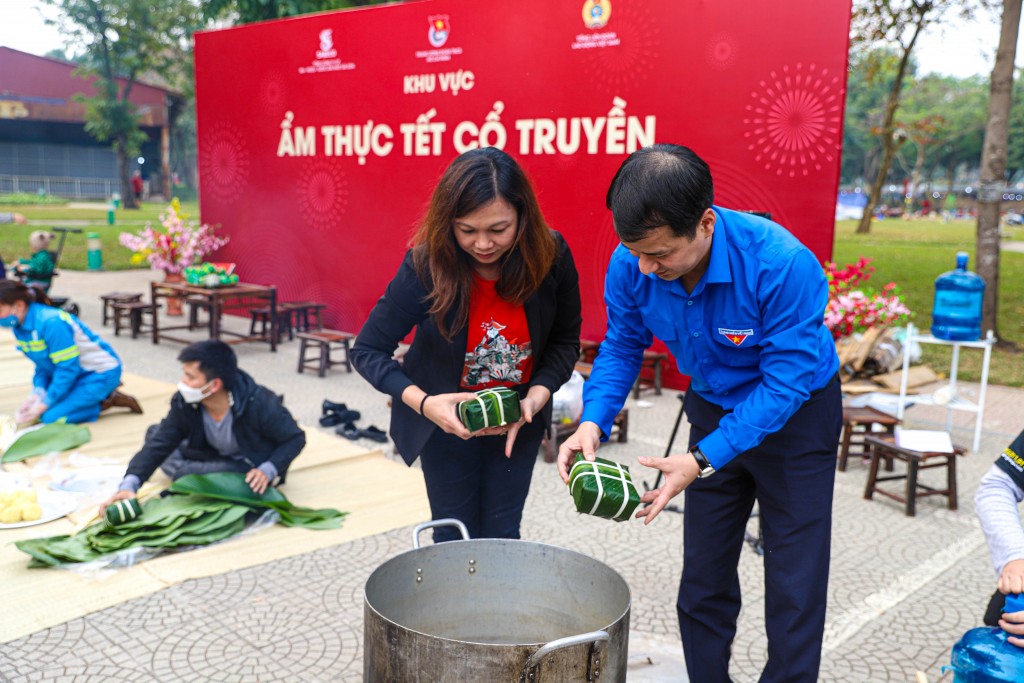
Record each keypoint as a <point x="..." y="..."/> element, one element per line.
<point x="58" y="436"/>
<point x="171" y="522"/>
<point x="231" y="486"/>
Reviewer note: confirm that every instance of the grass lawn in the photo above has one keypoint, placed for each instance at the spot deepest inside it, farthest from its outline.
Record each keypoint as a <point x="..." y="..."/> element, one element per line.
<point x="14" y="238"/>
<point x="912" y="254"/>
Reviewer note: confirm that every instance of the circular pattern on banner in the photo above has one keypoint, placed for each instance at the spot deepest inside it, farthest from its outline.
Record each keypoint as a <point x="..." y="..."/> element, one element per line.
<point x="793" y="124"/>
<point x="273" y="92"/>
<point x="737" y="189"/>
<point x="722" y="51"/>
<point x="323" y="194"/>
<point x="343" y="311"/>
<point x="630" y="62"/>
<point x="224" y="161"/>
<point x="270" y="253"/>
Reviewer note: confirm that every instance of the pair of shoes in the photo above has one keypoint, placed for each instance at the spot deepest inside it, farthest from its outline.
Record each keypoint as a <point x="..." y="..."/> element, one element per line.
<point x="336" y="414"/>
<point x="350" y="431"/>
<point x="374" y="433"/>
<point x="329" y="406"/>
<point x="119" y="400"/>
<point x="332" y="419"/>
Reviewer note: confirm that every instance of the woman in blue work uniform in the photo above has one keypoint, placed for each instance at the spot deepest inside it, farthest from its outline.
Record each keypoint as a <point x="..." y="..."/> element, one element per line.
<point x="75" y="369"/>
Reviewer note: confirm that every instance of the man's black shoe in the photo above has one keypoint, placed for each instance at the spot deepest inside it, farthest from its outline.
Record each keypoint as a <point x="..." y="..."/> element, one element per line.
<point x="332" y="407"/>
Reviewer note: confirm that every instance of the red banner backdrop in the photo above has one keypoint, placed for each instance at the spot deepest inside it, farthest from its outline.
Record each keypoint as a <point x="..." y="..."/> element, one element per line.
<point x="321" y="137"/>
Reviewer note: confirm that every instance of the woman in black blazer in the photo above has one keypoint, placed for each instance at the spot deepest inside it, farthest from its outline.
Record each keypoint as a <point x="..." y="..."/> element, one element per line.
<point x="494" y="296"/>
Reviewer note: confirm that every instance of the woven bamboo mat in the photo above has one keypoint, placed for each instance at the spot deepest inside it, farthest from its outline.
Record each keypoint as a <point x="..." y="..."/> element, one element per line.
<point x="379" y="494"/>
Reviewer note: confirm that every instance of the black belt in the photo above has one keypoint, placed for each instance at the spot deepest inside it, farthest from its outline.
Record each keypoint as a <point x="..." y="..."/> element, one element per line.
<point x="834" y="380"/>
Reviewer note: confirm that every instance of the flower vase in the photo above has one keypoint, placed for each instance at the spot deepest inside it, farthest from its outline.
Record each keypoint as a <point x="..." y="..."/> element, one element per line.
<point x="174" y="303"/>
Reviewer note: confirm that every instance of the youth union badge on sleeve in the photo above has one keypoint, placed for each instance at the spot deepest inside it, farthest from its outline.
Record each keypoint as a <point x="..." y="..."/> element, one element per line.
<point x="735" y="336"/>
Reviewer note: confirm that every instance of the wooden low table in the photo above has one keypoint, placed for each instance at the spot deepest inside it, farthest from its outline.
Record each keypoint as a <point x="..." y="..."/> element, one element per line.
<point x="858" y="424"/>
<point x="885" y="447"/>
<point x="325" y="341"/>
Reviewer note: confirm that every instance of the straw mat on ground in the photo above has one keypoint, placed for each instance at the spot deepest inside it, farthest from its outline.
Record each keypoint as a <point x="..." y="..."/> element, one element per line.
<point x="379" y="494"/>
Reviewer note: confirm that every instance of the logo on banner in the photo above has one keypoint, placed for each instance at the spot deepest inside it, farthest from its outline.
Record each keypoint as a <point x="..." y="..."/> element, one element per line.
<point x="326" y="56"/>
<point x="326" y="50"/>
<point x="735" y="336"/>
<point x="439" y="30"/>
<point x="596" y="13"/>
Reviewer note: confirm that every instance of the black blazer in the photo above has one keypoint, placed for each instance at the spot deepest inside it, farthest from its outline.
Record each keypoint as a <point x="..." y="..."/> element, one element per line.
<point x="435" y="365"/>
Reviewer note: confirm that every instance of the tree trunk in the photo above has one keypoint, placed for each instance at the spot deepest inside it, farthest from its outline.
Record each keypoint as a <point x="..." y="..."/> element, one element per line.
<point x="123" y="172"/>
<point x="888" y="144"/>
<point x="993" y="163"/>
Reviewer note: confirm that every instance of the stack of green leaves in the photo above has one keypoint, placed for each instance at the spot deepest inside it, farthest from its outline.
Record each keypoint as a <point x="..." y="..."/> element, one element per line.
<point x="57" y="436"/>
<point x="164" y="523"/>
<point x="205" y="508"/>
<point x="231" y="486"/>
<point x="603" y="488"/>
<point x="491" y="408"/>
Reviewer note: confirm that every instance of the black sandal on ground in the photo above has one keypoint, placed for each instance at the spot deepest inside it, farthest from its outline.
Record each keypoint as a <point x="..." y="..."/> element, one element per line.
<point x="349" y="431"/>
<point x="374" y="433"/>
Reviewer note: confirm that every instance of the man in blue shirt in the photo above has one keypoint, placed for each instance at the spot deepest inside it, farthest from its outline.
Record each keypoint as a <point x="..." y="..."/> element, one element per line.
<point x="740" y="303"/>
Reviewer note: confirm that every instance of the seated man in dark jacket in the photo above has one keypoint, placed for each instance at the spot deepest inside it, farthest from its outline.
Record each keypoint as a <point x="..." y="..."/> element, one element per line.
<point x="220" y="421"/>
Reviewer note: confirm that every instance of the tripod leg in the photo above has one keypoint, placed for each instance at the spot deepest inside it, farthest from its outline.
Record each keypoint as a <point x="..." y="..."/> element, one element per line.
<point x="671" y="440"/>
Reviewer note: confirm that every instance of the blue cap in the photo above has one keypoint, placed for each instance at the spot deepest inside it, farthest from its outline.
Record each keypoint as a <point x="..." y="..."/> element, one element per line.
<point x="1014" y="603"/>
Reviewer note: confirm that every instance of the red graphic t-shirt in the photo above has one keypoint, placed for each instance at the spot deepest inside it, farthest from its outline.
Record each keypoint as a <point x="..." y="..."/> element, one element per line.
<point x="498" y="351"/>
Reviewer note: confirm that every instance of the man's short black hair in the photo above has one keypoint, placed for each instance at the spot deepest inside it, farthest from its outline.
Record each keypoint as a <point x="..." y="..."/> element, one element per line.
<point x="660" y="185"/>
<point x="216" y="360"/>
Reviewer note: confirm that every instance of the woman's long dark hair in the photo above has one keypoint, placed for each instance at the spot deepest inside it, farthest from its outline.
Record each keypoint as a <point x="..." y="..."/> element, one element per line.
<point x="11" y="292"/>
<point x="473" y="180"/>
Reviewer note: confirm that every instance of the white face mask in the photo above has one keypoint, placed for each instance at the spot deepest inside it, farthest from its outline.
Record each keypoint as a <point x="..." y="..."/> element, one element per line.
<point x="191" y="394"/>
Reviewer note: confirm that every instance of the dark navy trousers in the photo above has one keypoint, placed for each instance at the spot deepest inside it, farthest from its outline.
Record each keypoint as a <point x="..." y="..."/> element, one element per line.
<point x="472" y="481"/>
<point x="791" y="476"/>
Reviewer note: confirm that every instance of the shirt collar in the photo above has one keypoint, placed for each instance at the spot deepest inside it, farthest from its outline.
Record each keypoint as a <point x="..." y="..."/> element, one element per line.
<point x="30" y="317"/>
<point x="718" y="266"/>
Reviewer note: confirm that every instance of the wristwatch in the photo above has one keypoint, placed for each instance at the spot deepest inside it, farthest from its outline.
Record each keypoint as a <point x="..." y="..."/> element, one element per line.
<point x="706" y="470"/>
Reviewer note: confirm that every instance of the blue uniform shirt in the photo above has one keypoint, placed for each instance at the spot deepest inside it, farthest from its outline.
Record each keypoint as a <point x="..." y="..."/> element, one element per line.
<point x="751" y="334"/>
<point x="63" y="349"/>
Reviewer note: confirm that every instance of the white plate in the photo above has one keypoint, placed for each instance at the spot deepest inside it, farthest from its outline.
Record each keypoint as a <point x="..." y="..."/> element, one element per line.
<point x="11" y="481"/>
<point x="54" y="504"/>
<point x="94" y="481"/>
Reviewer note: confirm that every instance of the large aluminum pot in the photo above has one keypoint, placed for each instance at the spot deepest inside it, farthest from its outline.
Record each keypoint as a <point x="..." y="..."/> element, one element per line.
<point x="494" y="610"/>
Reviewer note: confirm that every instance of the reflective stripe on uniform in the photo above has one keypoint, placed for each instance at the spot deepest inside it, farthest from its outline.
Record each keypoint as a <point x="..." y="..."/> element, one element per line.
<point x="32" y="345"/>
<point x="64" y="354"/>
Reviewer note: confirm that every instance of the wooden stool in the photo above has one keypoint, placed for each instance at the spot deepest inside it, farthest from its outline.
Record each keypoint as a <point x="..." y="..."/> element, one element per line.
<point x="858" y="422"/>
<point x="304" y="312"/>
<point x="620" y="430"/>
<point x="326" y="341"/>
<point x="588" y="350"/>
<point x="129" y="314"/>
<point x="883" y="447"/>
<point x="652" y="364"/>
<point x="110" y="298"/>
<point x="261" y="316"/>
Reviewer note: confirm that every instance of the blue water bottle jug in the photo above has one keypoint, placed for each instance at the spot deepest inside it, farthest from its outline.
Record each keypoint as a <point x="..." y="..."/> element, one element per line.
<point x="956" y="315"/>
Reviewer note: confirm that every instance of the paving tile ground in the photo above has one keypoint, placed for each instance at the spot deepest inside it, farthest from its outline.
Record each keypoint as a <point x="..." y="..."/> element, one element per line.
<point x="902" y="590"/>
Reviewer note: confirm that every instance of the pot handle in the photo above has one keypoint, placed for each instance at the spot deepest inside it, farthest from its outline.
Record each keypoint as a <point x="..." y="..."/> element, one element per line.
<point x="529" y="671"/>
<point x="451" y="521"/>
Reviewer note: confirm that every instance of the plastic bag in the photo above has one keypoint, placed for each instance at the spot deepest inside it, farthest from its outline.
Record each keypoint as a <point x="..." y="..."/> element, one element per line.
<point x="567" y="402"/>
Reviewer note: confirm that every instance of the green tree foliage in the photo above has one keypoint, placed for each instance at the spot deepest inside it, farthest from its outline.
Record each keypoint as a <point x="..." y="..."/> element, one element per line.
<point x="246" y="11"/>
<point x="898" y="24"/>
<point x="122" y="41"/>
